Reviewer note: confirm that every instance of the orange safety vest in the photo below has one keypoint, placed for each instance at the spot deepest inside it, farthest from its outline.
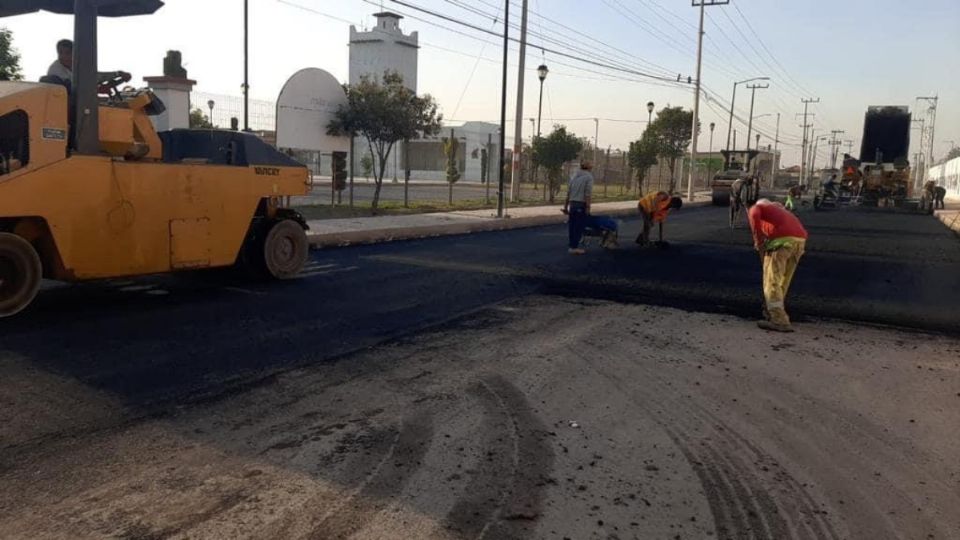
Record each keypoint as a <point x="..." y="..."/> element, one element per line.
<point x="656" y="205"/>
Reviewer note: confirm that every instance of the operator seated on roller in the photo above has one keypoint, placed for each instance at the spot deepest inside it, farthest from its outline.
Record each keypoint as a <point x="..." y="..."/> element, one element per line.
<point x="61" y="70"/>
<point x="654" y="208"/>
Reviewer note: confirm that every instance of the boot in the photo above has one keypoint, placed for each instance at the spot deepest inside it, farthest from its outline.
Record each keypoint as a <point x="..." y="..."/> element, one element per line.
<point x="774" y="327"/>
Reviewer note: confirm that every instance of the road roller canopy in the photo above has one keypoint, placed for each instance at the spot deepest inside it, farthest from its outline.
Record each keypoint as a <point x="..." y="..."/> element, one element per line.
<point x="85" y="76"/>
<point x="105" y="8"/>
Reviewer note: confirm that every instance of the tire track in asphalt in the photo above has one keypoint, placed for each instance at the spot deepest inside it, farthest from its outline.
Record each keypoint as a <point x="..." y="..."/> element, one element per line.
<point x="740" y="445"/>
<point x="742" y="506"/>
<point x="762" y="514"/>
<point x="504" y="497"/>
<point x="382" y="461"/>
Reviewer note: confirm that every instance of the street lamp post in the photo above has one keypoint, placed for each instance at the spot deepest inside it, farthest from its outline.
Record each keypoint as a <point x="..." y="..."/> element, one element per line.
<point x="713" y="125"/>
<point x="542" y="73"/>
<point x="210" y="104"/>
<point x="650" y="107"/>
<point x="733" y="104"/>
<point x="246" y="65"/>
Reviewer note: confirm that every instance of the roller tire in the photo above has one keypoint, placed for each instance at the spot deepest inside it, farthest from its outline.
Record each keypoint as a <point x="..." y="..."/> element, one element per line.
<point x="20" y="274"/>
<point x="285" y="250"/>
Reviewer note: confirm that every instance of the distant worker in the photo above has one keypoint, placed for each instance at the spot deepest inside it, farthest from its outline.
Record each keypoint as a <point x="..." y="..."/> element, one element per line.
<point x="577" y="206"/>
<point x="939" y="194"/>
<point x="830" y="186"/>
<point x="794" y="194"/>
<point x="741" y="197"/>
<point x="654" y="208"/>
<point x="780" y="239"/>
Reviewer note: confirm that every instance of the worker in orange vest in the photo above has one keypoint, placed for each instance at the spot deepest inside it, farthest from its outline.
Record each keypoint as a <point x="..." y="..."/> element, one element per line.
<point x="654" y="208"/>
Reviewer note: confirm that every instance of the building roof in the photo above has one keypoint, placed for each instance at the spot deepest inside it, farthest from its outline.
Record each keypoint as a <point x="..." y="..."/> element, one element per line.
<point x="387" y="14"/>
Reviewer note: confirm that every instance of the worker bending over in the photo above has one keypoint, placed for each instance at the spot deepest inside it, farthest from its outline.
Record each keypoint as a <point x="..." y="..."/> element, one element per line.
<point x="780" y="239"/>
<point x="654" y="208"/>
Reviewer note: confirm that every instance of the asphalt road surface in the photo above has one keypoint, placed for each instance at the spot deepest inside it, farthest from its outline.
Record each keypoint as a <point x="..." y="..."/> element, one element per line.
<point x="492" y="386"/>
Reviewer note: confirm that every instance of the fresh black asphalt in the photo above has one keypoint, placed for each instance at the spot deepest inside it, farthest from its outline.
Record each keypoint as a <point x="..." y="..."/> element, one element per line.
<point x="162" y="340"/>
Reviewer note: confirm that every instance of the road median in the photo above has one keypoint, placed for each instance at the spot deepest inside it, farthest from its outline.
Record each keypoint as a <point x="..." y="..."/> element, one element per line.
<point x="373" y="230"/>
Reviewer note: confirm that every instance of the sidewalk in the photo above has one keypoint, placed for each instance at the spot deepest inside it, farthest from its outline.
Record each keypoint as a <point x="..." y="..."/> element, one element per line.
<point x="370" y="230"/>
<point x="950" y="216"/>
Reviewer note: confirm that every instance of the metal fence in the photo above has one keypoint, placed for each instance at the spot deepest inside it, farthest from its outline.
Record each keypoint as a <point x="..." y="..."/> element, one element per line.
<point x="263" y="114"/>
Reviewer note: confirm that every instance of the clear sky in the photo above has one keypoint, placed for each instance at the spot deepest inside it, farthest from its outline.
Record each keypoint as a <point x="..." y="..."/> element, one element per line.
<point x="849" y="53"/>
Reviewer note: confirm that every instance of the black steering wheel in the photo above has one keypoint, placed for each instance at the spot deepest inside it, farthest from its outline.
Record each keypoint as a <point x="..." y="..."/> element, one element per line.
<point x="110" y="82"/>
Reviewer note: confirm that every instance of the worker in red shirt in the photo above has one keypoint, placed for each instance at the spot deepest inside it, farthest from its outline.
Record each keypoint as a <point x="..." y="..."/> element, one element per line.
<point x="780" y="239"/>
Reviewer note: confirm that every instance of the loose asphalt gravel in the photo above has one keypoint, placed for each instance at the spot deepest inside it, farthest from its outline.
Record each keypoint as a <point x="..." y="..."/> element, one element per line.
<point x="491" y="386"/>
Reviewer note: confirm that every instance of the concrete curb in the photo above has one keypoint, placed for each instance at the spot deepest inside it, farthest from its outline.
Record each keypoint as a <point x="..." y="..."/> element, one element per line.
<point x="950" y="218"/>
<point x="376" y="236"/>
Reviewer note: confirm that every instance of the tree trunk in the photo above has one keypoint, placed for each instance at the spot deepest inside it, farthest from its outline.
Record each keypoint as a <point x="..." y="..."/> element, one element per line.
<point x="673" y="176"/>
<point x="450" y="193"/>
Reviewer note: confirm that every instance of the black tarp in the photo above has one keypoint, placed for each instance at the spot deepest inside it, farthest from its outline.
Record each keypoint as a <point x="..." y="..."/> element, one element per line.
<point x="887" y="130"/>
<point x="105" y="8"/>
<point x="221" y="147"/>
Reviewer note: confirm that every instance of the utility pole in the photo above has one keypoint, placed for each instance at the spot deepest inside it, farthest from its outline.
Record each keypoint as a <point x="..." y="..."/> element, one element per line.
<point x="849" y="144"/>
<point x="773" y="158"/>
<point x="702" y="4"/>
<point x="918" y="177"/>
<point x="596" y="140"/>
<point x="806" y="112"/>
<point x="517" y="177"/>
<point x="812" y="154"/>
<point x="753" y="96"/>
<point x="932" y="114"/>
<point x="246" y="65"/>
<point x="503" y="107"/>
<point x="835" y="147"/>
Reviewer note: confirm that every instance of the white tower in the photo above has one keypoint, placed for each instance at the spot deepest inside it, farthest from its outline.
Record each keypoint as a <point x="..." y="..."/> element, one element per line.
<point x="384" y="48"/>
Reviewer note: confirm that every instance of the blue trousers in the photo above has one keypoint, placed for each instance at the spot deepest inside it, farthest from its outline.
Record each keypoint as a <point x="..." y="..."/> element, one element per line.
<point x="577" y="222"/>
<point x="601" y="223"/>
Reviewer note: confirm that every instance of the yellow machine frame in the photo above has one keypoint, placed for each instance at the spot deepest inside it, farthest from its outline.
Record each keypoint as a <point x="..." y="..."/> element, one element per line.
<point x="125" y="212"/>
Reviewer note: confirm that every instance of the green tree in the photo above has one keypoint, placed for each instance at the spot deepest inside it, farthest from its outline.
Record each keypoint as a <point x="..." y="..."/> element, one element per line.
<point x="673" y="129"/>
<point x="552" y="151"/>
<point x="384" y="114"/>
<point x="10" y="69"/>
<point x="199" y="120"/>
<point x="450" y="147"/>
<point x="484" y="165"/>
<point x="366" y="164"/>
<point x="643" y="155"/>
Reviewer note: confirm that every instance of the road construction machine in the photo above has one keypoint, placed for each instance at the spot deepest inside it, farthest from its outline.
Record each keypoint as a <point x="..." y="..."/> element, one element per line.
<point x="736" y="165"/>
<point x="90" y="190"/>
<point x="881" y="175"/>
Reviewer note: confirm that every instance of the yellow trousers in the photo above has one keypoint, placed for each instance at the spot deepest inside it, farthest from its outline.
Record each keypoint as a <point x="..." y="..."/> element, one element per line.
<point x="778" y="269"/>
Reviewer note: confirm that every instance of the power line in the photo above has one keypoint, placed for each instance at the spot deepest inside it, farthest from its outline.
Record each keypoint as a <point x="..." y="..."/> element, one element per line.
<point x="659" y="70"/>
<point x="622" y="53"/>
<point x="774" y="58"/>
<point x="539" y="46"/>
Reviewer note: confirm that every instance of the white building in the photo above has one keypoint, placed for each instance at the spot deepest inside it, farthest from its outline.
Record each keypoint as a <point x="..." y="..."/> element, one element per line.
<point x="427" y="161"/>
<point x="382" y="48"/>
<point x="947" y="175"/>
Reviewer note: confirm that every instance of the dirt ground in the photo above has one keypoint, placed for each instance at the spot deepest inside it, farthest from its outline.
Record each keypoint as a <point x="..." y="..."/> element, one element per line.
<point x="540" y="418"/>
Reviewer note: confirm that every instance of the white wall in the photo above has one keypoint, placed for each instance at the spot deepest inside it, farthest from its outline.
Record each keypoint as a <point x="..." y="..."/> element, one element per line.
<point x="948" y="176"/>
